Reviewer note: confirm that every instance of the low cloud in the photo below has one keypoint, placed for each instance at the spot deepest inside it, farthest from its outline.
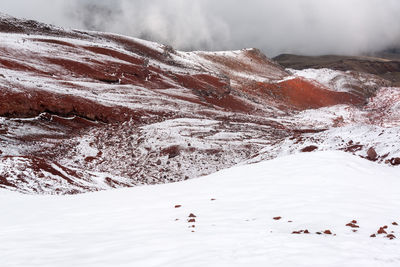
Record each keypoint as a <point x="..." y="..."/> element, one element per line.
<point x="287" y="26"/>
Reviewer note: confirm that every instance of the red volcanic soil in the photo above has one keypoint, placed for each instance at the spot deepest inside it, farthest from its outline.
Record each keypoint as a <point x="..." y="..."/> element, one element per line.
<point x="18" y="104"/>
<point x="15" y="65"/>
<point x="304" y="94"/>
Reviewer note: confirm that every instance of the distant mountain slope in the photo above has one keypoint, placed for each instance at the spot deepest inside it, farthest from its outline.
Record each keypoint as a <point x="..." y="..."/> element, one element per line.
<point x="385" y="65"/>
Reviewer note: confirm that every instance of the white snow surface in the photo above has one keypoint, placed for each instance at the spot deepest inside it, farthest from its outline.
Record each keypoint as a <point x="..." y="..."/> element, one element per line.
<point x="138" y="226"/>
<point x="335" y="80"/>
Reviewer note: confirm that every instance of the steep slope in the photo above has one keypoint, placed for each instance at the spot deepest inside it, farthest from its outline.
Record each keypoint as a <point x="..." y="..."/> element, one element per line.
<point x="87" y="111"/>
<point x="316" y="209"/>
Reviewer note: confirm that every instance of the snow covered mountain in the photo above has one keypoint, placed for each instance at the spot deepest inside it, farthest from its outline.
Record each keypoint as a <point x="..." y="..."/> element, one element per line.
<point x="88" y="111"/>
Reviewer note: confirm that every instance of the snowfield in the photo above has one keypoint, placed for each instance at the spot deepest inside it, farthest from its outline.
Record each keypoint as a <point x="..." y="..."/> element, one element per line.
<point x="234" y="223"/>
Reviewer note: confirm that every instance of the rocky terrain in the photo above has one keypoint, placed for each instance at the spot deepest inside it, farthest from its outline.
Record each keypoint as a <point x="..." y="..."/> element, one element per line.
<point x="88" y="111"/>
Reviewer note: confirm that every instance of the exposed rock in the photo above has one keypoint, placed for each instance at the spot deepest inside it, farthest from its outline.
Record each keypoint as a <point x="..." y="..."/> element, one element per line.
<point x="309" y="149"/>
<point x="381" y="231"/>
<point x="391" y="236"/>
<point x="371" y="154"/>
<point x="395" y="161"/>
<point x="172" y="151"/>
<point x="352" y="225"/>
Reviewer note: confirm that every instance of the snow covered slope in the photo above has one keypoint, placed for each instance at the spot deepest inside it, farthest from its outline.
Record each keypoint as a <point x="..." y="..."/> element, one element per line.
<point x="88" y="111"/>
<point x="244" y="216"/>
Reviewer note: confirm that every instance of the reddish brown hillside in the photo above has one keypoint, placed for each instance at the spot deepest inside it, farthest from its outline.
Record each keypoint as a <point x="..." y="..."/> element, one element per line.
<point x="91" y="111"/>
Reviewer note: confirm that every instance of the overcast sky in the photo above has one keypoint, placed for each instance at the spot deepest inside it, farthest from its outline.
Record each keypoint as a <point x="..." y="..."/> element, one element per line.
<point x="275" y="26"/>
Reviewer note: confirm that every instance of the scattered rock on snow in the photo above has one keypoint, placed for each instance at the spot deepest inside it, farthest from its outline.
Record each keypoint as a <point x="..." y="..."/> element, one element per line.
<point x="391" y="236"/>
<point x="371" y="154"/>
<point x="301" y="232"/>
<point x="395" y="161"/>
<point x="381" y="231"/>
<point x="353" y="225"/>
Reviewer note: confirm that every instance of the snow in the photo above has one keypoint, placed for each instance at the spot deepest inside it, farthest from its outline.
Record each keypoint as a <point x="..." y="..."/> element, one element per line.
<point x="323" y="76"/>
<point x="247" y="69"/>
<point x="335" y="80"/>
<point x="138" y="227"/>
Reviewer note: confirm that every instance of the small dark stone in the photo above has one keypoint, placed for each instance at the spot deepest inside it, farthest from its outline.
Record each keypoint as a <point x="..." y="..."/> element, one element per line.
<point x="309" y="149"/>
<point x="391" y="236"/>
<point x="381" y="231"/>
<point x="371" y="154"/>
<point x="395" y="161"/>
